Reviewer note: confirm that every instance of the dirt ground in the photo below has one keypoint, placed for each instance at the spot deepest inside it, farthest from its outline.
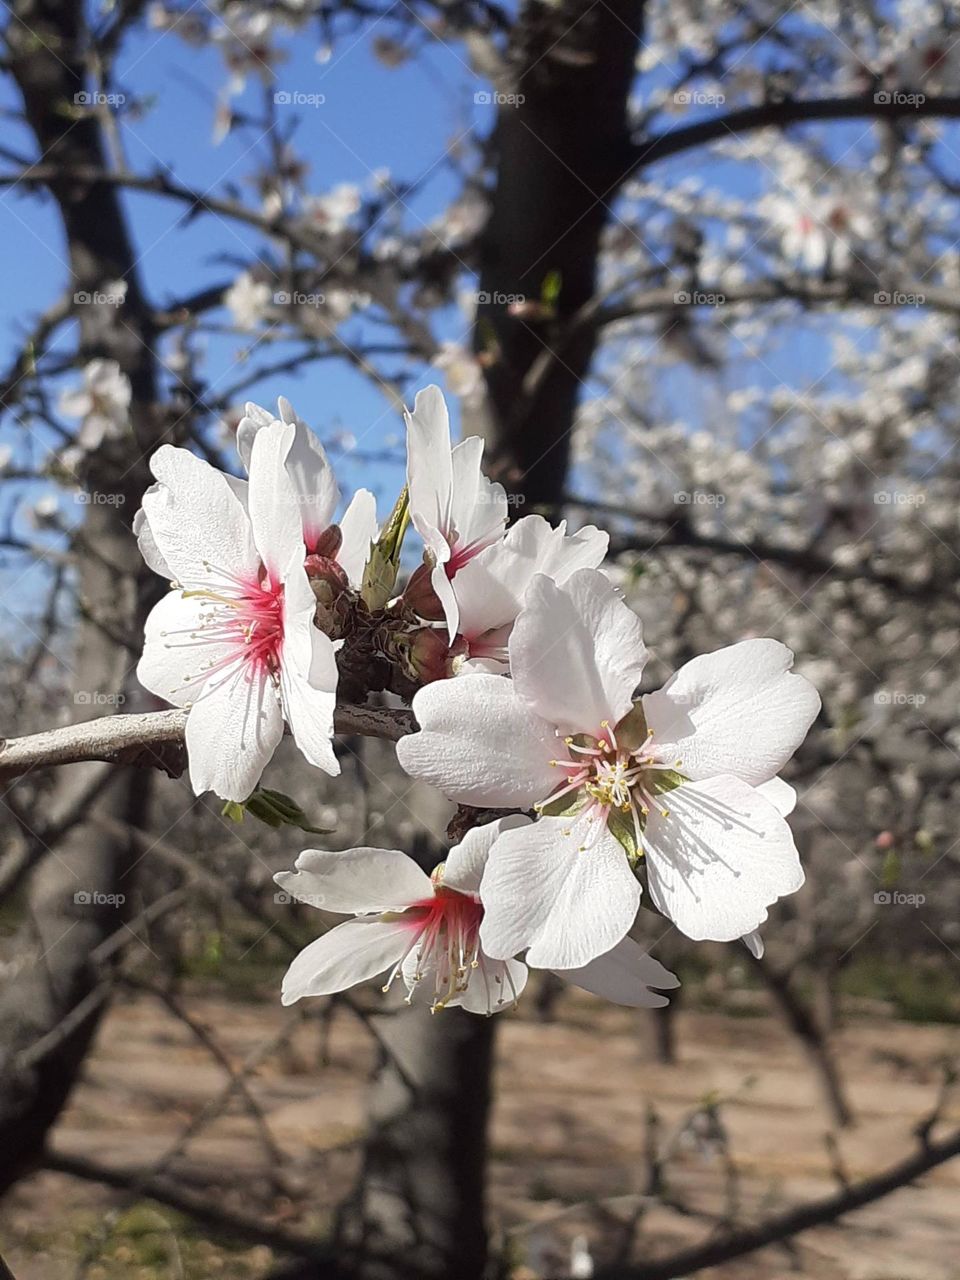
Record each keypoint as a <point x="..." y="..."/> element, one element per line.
<point x="571" y="1123"/>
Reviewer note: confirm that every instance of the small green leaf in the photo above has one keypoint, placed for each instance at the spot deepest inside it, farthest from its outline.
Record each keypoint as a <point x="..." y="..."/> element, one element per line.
<point x="274" y="809"/>
<point x="890" y="871"/>
<point x="550" y="289"/>
<point x="380" y="572"/>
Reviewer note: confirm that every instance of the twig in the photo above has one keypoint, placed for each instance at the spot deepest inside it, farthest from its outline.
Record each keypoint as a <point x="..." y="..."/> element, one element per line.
<point x="156" y="739"/>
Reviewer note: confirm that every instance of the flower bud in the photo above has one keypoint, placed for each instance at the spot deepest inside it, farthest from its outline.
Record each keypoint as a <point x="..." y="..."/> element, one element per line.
<point x="327" y="578"/>
<point x="429" y="655"/>
<point x="420" y="596"/>
<point x="328" y="544"/>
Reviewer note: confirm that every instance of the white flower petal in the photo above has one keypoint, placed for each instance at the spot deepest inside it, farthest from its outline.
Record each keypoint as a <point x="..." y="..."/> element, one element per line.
<point x="351" y="953"/>
<point x="544" y="890"/>
<point x="464" y="864"/>
<point x="308" y="674"/>
<point x="359" y="529"/>
<point x="624" y="975"/>
<point x="480" y="744"/>
<point x="781" y="795"/>
<point x="254" y="418"/>
<point x="478" y="506"/>
<point x="172" y="658"/>
<point x="274" y="504"/>
<point x="429" y="467"/>
<point x="148" y="545"/>
<point x="357" y="881"/>
<point x="739" y="710"/>
<point x="754" y="944"/>
<point x="233" y="729"/>
<point x="720" y="858"/>
<point x="576" y="652"/>
<point x="196" y="520"/>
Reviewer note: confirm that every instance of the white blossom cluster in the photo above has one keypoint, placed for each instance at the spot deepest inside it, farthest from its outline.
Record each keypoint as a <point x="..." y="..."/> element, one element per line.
<point x="529" y="664"/>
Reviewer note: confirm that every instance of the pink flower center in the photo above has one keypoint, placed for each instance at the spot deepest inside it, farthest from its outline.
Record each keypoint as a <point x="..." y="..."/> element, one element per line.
<point x="242" y="617"/>
<point x="445" y="941"/>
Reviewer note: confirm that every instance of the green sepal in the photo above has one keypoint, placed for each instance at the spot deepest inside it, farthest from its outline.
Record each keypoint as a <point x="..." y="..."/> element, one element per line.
<point x="564" y="806"/>
<point x="381" y="569"/>
<point x="621" y="827"/>
<point x="274" y="809"/>
<point x="550" y="289"/>
<point x="659" y="781"/>
<point x="632" y="731"/>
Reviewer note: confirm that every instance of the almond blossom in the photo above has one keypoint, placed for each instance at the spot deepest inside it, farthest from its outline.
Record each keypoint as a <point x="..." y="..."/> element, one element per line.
<point x="103" y="403"/>
<point x="682" y="780"/>
<point x="235" y="640"/>
<point x="426" y="929"/>
<point x="453" y="506"/>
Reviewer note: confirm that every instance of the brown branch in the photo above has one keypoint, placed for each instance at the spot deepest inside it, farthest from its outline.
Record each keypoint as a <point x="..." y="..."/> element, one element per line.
<point x="784" y="1226"/>
<point x="155" y="739"/>
<point x="770" y="115"/>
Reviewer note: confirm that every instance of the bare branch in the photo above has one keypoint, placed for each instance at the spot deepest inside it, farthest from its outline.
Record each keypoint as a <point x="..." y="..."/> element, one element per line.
<point x="155" y="739"/>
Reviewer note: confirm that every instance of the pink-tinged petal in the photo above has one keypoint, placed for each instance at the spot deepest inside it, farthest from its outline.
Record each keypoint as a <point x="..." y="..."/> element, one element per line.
<point x="358" y="529"/>
<point x="495" y="985"/>
<point x="576" y="652"/>
<point x="740" y="710"/>
<point x="480" y="744"/>
<point x="353" y="952"/>
<point x="624" y="976"/>
<point x="429" y="467"/>
<point x="309" y="469"/>
<point x="719" y="859"/>
<point x="562" y="888"/>
<point x="357" y="881"/>
<point x="465" y="863"/>
<point x="233" y="729"/>
<point x="274" y="503"/>
<point x="781" y="795"/>
<point x="443" y="587"/>
<point x="196" y="520"/>
<point x="478" y="506"/>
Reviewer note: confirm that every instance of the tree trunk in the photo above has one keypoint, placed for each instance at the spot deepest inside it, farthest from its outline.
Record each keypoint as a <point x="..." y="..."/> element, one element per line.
<point x="49" y="1014"/>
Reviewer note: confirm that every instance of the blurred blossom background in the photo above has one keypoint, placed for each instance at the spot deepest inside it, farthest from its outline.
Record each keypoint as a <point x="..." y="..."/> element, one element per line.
<point x="692" y="269"/>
